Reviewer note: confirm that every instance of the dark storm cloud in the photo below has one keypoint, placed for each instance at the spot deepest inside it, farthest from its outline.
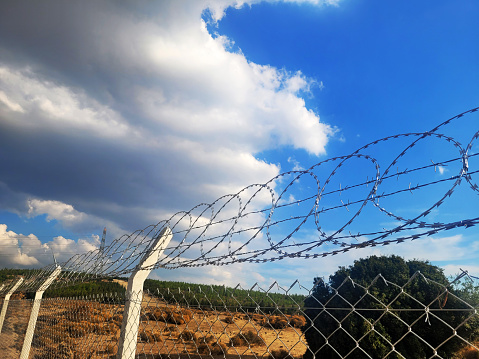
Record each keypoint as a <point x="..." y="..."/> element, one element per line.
<point x="130" y="113"/>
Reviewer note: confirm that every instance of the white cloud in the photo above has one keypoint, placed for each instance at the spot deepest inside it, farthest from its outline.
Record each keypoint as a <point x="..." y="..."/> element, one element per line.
<point x="297" y="166"/>
<point x="44" y="103"/>
<point x="442" y="169"/>
<point x="11" y="105"/>
<point x="27" y="251"/>
<point x="137" y="111"/>
<point x="55" y="210"/>
<point x="11" y="254"/>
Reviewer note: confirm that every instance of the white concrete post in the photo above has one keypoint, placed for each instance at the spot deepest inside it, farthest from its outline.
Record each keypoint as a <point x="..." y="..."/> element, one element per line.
<point x="134" y="296"/>
<point x="27" y="342"/>
<point x="6" y="300"/>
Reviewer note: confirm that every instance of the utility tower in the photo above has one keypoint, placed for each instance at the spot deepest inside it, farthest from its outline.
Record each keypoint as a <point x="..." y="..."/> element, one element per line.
<point x="102" y="244"/>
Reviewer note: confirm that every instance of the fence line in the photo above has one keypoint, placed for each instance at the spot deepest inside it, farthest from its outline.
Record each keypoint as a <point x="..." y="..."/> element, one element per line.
<point x="420" y="318"/>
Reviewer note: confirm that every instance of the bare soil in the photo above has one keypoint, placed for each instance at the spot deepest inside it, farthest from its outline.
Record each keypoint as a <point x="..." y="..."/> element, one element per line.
<point x="80" y="328"/>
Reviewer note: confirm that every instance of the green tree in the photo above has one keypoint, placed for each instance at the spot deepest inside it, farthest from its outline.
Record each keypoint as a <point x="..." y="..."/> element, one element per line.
<point x="334" y="329"/>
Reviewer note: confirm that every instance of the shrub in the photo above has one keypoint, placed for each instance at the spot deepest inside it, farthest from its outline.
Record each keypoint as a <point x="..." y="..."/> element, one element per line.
<point x="181" y="316"/>
<point x="213" y="348"/>
<point x="247" y="339"/>
<point x="156" y="315"/>
<point x="297" y="321"/>
<point x="105" y="328"/>
<point x="468" y="352"/>
<point x="111" y="348"/>
<point x="78" y="330"/>
<point x="100" y="318"/>
<point x="338" y="292"/>
<point x="208" y="339"/>
<point x="61" y="334"/>
<point x="62" y="351"/>
<point x="170" y="329"/>
<point x="150" y="336"/>
<point x="274" y="321"/>
<point x="118" y="318"/>
<point x="229" y="319"/>
<point x="188" y="335"/>
<point x="145" y="336"/>
<point x="280" y="354"/>
<point x="178" y="317"/>
<point x="80" y="353"/>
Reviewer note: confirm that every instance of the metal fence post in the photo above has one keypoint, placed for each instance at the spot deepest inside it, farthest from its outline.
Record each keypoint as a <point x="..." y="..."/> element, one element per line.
<point x="6" y="300"/>
<point x="134" y="296"/>
<point x="27" y="343"/>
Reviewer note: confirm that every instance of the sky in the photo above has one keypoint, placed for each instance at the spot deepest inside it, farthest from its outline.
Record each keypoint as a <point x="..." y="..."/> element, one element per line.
<point x="118" y="115"/>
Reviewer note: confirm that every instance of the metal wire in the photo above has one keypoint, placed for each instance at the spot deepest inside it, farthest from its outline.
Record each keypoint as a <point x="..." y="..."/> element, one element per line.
<point x="274" y="322"/>
<point x="274" y="220"/>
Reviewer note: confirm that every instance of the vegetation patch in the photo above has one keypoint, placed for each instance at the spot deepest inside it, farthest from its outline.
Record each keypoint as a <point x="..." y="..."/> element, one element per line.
<point x="177" y="316"/>
<point x="188" y="335"/>
<point x="274" y="321"/>
<point x="150" y="336"/>
<point x="280" y="354"/>
<point x="212" y="348"/>
<point x="249" y="338"/>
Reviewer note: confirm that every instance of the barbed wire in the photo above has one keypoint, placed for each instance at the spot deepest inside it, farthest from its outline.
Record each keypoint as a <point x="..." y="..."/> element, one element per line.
<point x="266" y="222"/>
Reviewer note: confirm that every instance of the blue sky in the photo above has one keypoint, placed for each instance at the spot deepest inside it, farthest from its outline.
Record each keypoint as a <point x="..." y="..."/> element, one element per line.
<point x="121" y="115"/>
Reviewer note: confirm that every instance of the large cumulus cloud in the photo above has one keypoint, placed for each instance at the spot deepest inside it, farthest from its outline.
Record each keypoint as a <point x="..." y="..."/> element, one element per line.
<point x="124" y="113"/>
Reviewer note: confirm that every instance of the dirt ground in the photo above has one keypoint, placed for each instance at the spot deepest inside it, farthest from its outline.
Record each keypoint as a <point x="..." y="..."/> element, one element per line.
<point x="205" y="323"/>
<point x="71" y="329"/>
<point x="14" y="327"/>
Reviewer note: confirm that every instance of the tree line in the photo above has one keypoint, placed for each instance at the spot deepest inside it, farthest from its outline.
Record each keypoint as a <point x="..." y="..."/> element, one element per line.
<point x="407" y="320"/>
<point x="217" y="297"/>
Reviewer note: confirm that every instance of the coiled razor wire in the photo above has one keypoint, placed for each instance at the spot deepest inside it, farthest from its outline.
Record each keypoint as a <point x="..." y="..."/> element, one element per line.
<point x="242" y="227"/>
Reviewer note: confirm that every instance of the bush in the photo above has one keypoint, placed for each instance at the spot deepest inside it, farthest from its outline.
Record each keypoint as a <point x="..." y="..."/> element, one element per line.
<point x="280" y="354"/>
<point x="212" y="349"/>
<point x="104" y="328"/>
<point x="149" y="336"/>
<point x="118" y="318"/>
<point x="61" y="334"/>
<point x="101" y="318"/>
<point x="297" y="321"/>
<point x="274" y="321"/>
<point x="170" y="329"/>
<point x="178" y="317"/>
<point x="188" y="335"/>
<point x="229" y="319"/>
<point x="78" y="330"/>
<point x="111" y="348"/>
<point x="208" y="339"/>
<point x="247" y="339"/>
<point x="388" y="328"/>
<point x="467" y="352"/>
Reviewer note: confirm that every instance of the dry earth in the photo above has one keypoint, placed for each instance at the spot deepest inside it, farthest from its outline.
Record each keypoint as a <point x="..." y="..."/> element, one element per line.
<point x="71" y="329"/>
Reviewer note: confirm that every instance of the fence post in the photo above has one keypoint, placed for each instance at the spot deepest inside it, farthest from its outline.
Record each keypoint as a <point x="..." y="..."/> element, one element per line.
<point x="27" y="343"/>
<point x="134" y="296"/>
<point x="6" y="300"/>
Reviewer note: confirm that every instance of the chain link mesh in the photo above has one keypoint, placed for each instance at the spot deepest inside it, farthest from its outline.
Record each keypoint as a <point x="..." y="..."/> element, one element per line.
<point x="15" y="325"/>
<point x="379" y="320"/>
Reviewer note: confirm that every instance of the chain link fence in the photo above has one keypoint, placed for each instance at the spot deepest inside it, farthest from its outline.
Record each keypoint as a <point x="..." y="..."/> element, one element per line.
<point x="419" y="319"/>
